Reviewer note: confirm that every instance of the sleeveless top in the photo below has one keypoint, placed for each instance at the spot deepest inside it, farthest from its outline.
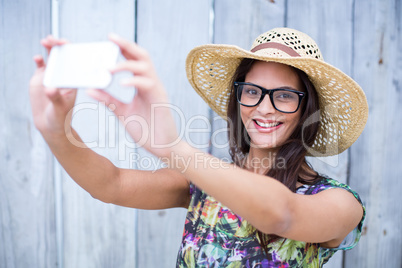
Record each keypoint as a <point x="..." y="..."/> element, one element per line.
<point x="214" y="236"/>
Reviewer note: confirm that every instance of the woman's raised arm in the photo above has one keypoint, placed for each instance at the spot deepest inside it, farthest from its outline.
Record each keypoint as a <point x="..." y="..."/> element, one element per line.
<point x="134" y="188"/>
<point x="267" y="204"/>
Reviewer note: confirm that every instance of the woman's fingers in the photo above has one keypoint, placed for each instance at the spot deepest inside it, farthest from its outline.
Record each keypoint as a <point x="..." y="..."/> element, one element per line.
<point x="114" y="104"/>
<point x="50" y="42"/>
<point x="135" y="67"/>
<point x="138" y="63"/>
<point x="140" y="82"/>
<point x="36" y="81"/>
<point x="40" y="63"/>
<point x="130" y="50"/>
<point x="54" y="95"/>
<point x="68" y="94"/>
<point x="144" y="79"/>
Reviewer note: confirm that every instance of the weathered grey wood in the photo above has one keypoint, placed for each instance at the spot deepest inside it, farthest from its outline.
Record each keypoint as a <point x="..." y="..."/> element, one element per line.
<point x="27" y="223"/>
<point x="330" y="25"/>
<point x="239" y="23"/>
<point x="375" y="165"/>
<point x="168" y="30"/>
<point x="97" y="234"/>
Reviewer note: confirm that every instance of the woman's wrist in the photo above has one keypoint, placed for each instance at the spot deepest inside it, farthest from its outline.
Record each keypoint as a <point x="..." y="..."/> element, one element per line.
<point x="57" y="138"/>
<point x="180" y="156"/>
<point x="186" y="159"/>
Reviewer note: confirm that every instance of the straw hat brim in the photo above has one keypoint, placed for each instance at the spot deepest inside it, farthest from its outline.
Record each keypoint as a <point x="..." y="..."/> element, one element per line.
<point x="343" y="105"/>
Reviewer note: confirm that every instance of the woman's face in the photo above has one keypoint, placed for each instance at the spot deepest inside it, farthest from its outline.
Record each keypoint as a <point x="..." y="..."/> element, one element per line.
<point x="267" y="127"/>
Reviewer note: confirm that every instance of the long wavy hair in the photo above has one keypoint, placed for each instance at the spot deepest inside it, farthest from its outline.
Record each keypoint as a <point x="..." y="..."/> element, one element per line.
<point x="292" y="152"/>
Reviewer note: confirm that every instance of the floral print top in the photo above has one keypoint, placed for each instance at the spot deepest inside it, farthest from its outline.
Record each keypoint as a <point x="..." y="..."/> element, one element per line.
<point x="214" y="236"/>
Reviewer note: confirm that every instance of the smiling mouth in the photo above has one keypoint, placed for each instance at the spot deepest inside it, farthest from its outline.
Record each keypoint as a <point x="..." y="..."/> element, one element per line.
<point x="267" y="125"/>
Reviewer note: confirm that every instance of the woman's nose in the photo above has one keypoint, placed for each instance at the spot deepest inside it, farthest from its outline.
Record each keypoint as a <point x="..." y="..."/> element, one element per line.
<point x="266" y="106"/>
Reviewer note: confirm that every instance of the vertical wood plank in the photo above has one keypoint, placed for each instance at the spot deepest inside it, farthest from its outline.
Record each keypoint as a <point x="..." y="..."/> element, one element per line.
<point x="98" y="234"/>
<point x="375" y="166"/>
<point x="169" y="30"/>
<point x="246" y="20"/>
<point x="330" y="25"/>
<point x="27" y="223"/>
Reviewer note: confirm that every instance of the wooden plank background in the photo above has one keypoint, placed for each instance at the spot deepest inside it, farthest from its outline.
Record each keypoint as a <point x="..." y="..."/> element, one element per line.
<point x="46" y="220"/>
<point x="27" y="212"/>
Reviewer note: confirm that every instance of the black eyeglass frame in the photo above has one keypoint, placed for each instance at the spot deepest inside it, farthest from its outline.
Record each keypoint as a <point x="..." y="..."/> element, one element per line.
<point x="270" y="93"/>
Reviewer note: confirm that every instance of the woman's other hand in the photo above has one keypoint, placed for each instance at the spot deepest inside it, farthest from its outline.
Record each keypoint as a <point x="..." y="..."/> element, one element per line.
<point x="50" y="106"/>
<point x="148" y="117"/>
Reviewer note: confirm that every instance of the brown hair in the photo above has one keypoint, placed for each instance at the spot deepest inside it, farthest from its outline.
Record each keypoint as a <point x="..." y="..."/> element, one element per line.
<point x="293" y="152"/>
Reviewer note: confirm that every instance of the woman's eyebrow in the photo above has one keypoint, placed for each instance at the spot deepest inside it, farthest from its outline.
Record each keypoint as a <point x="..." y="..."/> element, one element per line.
<point x="291" y="88"/>
<point x="279" y="87"/>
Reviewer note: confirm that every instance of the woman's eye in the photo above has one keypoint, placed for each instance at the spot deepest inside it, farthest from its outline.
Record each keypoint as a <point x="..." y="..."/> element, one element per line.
<point x="285" y="96"/>
<point x="250" y="91"/>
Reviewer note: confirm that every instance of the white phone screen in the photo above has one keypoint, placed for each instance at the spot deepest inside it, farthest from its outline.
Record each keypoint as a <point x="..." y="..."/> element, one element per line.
<point x="81" y="65"/>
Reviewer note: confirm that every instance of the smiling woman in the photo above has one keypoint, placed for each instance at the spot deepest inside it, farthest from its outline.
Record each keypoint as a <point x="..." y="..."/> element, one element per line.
<point x="274" y="127"/>
<point x="267" y="118"/>
<point x="253" y="212"/>
<point x="274" y="97"/>
<point x="267" y="127"/>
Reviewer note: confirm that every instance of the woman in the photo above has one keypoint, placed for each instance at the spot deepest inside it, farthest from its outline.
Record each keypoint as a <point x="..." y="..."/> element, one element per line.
<point x="269" y="208"/>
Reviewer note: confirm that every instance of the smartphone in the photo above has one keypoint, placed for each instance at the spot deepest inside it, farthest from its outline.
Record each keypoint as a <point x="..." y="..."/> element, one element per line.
<point x="81" y="65"/>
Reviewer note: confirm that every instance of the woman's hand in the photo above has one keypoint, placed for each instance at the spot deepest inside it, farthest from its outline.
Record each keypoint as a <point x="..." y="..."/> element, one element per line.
<point x="50" y="106"/>
<point x="147" y="118"/>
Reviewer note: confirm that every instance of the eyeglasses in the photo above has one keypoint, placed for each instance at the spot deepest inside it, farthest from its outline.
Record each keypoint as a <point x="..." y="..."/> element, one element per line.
<point x="284" y="100"/>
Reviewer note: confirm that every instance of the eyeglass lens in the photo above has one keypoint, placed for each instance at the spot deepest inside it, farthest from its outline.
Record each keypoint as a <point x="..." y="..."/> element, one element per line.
<point x="284" y="100"/>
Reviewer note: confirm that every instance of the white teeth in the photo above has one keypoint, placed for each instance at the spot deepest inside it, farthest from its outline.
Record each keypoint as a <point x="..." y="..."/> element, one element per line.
<point x="261" y="124"/>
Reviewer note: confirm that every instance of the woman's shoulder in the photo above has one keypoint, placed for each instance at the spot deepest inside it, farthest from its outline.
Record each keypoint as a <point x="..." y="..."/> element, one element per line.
<point x="324" y="183"/>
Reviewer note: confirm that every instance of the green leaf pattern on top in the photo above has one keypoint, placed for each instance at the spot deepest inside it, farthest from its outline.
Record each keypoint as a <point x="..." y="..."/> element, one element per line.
<point x="214" y="236"/>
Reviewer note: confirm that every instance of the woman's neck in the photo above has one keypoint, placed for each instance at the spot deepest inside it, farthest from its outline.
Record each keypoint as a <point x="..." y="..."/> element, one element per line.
<point x="259" y="160"/>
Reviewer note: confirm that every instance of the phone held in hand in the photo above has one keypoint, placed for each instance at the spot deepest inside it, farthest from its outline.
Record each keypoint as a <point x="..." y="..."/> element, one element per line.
<point x="81" y="65"/>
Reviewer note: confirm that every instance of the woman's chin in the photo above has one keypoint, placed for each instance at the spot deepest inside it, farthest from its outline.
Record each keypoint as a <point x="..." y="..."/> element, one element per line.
<point x="264" y="145"/>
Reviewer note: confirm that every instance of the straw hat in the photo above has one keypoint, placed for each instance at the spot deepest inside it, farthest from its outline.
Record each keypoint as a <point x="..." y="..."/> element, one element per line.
<point x="343" y="104"/>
